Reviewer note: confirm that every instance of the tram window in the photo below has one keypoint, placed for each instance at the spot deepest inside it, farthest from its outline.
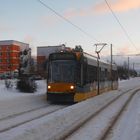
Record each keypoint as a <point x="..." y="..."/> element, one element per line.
<point x="84" y="73"/>
<point x="78" y="73"/>
<point x="62" y="71"/>
<point x="94" y="73"/>
<point x="102" y="74"/>
<point x="91" y="74"/>
<point x="106" y="74"/>
<point x="114" y="75"/>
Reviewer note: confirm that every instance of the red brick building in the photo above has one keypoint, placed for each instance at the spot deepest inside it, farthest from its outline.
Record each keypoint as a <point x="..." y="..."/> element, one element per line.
<point x="9" y="55"/>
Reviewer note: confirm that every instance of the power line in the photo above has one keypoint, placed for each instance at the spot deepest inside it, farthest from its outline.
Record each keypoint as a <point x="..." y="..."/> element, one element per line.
<point x="67" y="20"/>
<point x="126" y="55"/>
<point x="122" y="27"/>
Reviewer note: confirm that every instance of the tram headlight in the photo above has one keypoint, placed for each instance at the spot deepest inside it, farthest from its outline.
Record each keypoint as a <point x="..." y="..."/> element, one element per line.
<point x="49" y="87"/>
<point x="71" y="87"/>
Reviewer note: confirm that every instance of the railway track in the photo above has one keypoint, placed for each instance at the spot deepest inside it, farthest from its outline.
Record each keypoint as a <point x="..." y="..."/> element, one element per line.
<point x="68" y="131"/>
<point x="22" y="112"/>
<point x="21" y="118"/>
<point x="104" y="130"/>
<point x="115" y="122"/>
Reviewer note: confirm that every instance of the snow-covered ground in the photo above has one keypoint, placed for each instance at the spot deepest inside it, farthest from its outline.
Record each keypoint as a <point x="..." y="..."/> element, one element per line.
<point x="50" y="126"/>
<point x="12" y="101"/>
<point x="12" y="92"/>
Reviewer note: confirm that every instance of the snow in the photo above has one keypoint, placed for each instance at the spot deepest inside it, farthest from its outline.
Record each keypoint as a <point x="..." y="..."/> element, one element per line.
<point x="12" y="101"/>
<point x="52" y="126"/>
<point x="57" y="122"/>
<point x="9" y="93"/>
<point x="98" y="125"/>
<point x="6" y="93"/>
<point x="129" y="121"/>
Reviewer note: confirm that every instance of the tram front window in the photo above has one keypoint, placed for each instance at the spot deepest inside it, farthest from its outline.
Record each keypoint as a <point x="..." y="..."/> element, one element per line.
<point x="62" y="71"/>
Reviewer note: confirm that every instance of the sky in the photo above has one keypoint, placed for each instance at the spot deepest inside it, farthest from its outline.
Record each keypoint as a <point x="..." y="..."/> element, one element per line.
<point x="31" y="22"/>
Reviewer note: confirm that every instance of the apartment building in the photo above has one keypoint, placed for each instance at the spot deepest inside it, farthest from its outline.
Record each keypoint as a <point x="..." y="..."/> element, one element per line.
<point x="10" y="54"/>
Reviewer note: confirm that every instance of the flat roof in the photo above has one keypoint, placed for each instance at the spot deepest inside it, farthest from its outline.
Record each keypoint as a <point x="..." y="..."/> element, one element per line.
<point x="14" y="42"/>
<point x="49" y="46"/>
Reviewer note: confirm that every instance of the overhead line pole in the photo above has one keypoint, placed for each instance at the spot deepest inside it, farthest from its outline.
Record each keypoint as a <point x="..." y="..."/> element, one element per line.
<point x="111" y="67"/>
<point x="98" y="67"/>
<point x="128" y="67"/>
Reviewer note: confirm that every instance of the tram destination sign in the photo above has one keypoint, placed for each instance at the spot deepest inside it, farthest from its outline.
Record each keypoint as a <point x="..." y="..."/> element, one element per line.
<point x="62" y="56"/>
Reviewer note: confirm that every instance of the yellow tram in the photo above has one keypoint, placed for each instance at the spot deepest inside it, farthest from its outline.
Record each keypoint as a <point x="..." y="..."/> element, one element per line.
<point x="72" y="76"/>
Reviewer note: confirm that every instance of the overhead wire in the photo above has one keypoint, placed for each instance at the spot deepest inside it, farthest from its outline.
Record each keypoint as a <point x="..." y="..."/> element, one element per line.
<point x="83" y="31"/>
<point x="67" y="20"/>
<point x="127" y="54"/>
<point x="122" y="27"/>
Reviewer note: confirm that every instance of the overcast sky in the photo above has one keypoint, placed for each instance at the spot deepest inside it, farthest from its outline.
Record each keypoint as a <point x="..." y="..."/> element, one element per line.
<point x="31" y="22"/>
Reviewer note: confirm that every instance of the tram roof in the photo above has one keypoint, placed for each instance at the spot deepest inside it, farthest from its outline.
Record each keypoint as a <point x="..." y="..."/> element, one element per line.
<point x="92" y="60"/>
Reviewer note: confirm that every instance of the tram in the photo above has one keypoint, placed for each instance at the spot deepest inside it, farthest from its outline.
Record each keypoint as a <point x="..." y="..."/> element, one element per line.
<point x="72" y="76"/>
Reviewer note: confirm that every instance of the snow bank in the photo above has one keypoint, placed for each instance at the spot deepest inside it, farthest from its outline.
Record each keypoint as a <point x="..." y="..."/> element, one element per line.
<point x="11" y="93"/>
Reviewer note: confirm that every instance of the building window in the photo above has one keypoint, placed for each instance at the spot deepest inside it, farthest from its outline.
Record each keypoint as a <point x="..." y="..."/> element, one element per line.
<point x="0" y="53"/>
<point x="8" y="67"/>
<point x="7" y="60"/>
<point x="8" y="53"/>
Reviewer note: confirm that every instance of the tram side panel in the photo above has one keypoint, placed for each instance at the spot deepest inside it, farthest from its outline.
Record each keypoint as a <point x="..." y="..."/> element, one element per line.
<point x="89" y="87"/>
